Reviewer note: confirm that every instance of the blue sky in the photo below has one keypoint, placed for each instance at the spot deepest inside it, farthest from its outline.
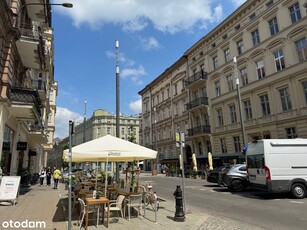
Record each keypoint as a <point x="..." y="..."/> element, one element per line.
<point x="152" y="35"/>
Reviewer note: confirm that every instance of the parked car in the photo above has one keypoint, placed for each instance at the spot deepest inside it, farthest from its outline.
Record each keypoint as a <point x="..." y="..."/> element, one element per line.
<point x="213" y="175"/>
<point x="222" y="175"/>
<point x="236" y="178"/>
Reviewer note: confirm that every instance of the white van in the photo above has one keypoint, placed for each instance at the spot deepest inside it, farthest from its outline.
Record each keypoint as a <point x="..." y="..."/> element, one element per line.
<point x="278" y="165"/>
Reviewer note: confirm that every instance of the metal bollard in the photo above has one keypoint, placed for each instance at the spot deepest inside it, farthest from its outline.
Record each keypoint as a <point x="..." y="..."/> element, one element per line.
<point x="179" y="214"/>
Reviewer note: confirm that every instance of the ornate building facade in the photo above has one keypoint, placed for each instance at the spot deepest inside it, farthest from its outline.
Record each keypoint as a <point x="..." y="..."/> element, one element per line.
<point x="262" y="47"/>
<point x="27" y="87"/>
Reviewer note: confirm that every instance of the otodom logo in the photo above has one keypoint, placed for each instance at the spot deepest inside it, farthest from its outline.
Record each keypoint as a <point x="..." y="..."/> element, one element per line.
<point x="26" y="224"/>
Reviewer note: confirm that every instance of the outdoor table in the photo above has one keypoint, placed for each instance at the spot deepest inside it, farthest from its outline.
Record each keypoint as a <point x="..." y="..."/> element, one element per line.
<point x="93" y="201"/>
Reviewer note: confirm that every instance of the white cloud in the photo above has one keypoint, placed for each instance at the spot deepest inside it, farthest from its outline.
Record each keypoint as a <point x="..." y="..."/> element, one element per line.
<point x="134" y="74"/>
<point x="62" y="118"/>
<point x="150" y="43"/>
<point x="136" y="106"/>
<point x="238" y="2"/>
<point x="134" y="15"/>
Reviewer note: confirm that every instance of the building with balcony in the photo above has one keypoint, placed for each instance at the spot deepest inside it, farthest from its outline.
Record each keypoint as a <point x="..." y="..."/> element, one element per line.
<point x="27" y="87"/>
<point x="268" y="39"/>
<point x="103" y="123"/>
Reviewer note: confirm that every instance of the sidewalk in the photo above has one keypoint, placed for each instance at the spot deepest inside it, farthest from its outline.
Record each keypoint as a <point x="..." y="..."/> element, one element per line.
<point x="50" y="206"/>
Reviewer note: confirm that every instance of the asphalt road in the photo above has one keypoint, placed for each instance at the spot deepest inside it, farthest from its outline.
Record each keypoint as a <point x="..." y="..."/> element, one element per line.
<point x="271" y="211"/>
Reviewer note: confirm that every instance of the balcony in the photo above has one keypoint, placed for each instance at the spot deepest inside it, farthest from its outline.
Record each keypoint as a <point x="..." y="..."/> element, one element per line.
<point x="25" y="103"/>
<point x="202" y="101"/>
<point x="202" y="75"/>
<point x="41" y="88"/>
<point x="203" y="129"/>
<point x="31" y="45"/>
<point x="36" y="133"/>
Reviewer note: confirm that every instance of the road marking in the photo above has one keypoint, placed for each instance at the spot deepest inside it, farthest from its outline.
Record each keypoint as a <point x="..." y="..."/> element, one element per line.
<point x="297" y="202"/>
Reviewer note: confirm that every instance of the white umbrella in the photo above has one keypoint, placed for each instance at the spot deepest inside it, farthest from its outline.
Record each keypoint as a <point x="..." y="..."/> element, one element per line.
<point x="194" y="162"/>
<point x="109" y="149"/>
<point x="210" y="161"/>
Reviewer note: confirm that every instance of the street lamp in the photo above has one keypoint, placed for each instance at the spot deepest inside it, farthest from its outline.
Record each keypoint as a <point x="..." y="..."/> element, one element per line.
<point x="239" y="101"/>
<point x="117" y="103"/>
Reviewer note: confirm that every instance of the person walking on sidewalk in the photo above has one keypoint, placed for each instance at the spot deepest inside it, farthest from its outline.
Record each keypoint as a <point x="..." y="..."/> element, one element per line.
<point x="42" y="176"/>
<point x="56" y="177"/>
<point x="48" y="176"/>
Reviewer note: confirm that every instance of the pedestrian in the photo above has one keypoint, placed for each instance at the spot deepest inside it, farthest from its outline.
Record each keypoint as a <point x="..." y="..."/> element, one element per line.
<point x="48" y="176"/>
<point x="56" y="177"/>
<point x="42" y="176"/>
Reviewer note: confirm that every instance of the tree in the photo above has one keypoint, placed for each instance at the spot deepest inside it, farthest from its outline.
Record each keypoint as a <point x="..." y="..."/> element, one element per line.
<point x="131" y="134"/>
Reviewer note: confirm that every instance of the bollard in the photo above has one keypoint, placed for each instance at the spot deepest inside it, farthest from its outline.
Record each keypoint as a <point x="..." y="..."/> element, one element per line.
<point x="179" y="214"/>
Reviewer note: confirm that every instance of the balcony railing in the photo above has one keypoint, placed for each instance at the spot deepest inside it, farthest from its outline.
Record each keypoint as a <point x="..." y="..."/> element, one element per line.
<point x="18" y="95"/>
<point x="33" y="29"/>
<point x="203" y="129"/>
<point x="197" y="76"/>
<point x="39" y="85"/>
<point x="197" y="102"/>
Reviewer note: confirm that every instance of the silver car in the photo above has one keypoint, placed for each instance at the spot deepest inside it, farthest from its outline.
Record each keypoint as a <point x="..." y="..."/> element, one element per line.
<point x="236" y="178"/>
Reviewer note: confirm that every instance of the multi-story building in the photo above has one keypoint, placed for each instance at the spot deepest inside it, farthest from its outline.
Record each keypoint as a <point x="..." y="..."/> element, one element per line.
<point x="27" y="87"/>
<point x="102" y="123"/>
<point x="268" y="39"/>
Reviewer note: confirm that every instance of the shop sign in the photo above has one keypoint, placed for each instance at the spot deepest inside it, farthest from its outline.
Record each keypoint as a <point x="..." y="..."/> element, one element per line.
<point x="22" y="145"/>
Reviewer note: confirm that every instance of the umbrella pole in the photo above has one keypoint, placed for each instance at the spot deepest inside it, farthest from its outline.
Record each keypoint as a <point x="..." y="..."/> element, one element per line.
<point x="96" y="175"/>
<point x="106" y="179"/>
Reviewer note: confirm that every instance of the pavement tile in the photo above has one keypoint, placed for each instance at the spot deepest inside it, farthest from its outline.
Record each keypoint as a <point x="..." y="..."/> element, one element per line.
<point x="37" y="203"/>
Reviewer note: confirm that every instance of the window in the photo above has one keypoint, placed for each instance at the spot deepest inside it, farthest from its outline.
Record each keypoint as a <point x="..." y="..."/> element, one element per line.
<point x="295" y="13"/>
<point x="270" y="4"/>
<point x="273" y="24"/>
<point x="285" y="99"/>
<point x="240" y="47"/>
<point x="145" y="106"/>
<point x="223" y="145"/>
<point x="255" y="37"/>
<point x="243" y="75"/>
<point x="279" y="60"/>
<point x="301" y="49"/>
<point x="158" y="99"/>
<point x="237" y="145"/>
<point x="108" y="130"/>
<point x="200" y="148"/>
<point x="175" y="89"/>
<point x="215" y="62"/>
<point x="252" y="17"/>
<point x="305" y="90"/>
<point x="98" y="131"/>
<point x="167" y="91"/>
<point x="260" y="69"/>
<point x="217" y="88"/>
<point x="220" y="119"/>
<point x="233" y="114"/>
<point x="230" y="83"/>
<point x="265" y="105"/>
<point x="162" y="95"/>
<point x="291" y="133"/>
<point x="227" y="55"/>
<point x="123" y="131"/>
<point x="247" y="110"/>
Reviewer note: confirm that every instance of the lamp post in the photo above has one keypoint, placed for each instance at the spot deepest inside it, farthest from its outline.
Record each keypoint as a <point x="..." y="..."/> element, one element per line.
<point x="239" y="101"/>
<point x="71" y="131"/>
<point x="84" y="120"/>
<point x="117" y="103"/>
